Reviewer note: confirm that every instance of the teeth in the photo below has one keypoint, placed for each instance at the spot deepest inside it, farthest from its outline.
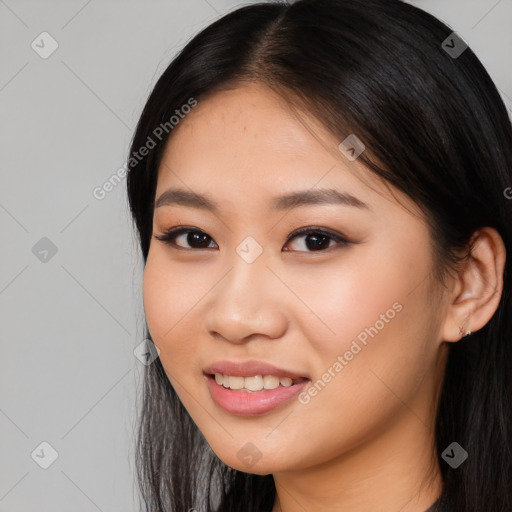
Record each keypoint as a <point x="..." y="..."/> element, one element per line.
<point x="235" y="382"/>
<point x="253" y="383"/>
<point x="271" y="382"/>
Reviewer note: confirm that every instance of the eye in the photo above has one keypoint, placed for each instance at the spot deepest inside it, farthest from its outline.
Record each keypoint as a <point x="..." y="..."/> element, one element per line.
<point x="196" y="238"/>
<point x="316" y="239"/>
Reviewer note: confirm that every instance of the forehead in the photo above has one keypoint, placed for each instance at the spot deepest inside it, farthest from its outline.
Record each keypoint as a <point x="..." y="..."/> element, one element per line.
<point x="248" y="141"/>
<point x="246" y="125"/>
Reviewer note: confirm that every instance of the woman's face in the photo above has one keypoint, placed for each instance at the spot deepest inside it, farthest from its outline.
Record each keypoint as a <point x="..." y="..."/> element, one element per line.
<point x="354" y="315"/>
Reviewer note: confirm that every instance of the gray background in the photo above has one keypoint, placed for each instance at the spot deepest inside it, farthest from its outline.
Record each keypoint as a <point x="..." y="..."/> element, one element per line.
<point x="71" y="320"/>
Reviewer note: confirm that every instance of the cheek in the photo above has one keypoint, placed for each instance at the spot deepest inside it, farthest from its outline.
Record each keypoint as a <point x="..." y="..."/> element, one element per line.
<point x="170" y="295"/>
<point x="364" y="290"/>
<point x="171" y="298"/>
<point x="377" y="315"/>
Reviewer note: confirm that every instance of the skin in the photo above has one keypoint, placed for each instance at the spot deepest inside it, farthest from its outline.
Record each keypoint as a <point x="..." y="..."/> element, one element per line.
<point x="372" y="426"/>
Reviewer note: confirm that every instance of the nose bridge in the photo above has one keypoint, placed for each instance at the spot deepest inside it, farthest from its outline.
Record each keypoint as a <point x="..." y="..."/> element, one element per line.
<point x="245" y="286"/>
<point x="244" y="302"/>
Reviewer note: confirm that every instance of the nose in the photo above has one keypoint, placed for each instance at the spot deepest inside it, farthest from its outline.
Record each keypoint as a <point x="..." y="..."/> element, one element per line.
<point x="247" y="302"/>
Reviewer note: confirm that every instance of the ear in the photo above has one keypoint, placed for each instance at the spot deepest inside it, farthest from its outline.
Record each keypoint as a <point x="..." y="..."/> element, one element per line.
<point x="476" y="290"/>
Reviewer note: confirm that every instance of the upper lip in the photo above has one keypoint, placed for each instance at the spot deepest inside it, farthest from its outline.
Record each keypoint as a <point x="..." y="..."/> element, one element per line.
<point x="249" y="369"/>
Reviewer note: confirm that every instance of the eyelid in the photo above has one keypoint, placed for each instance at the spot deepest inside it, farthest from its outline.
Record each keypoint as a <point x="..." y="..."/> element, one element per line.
<point x="176" y="231"/>
<point x="336" y="236"/>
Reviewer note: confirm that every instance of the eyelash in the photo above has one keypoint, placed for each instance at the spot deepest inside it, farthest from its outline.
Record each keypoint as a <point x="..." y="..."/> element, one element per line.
<point x="170" y="235"/>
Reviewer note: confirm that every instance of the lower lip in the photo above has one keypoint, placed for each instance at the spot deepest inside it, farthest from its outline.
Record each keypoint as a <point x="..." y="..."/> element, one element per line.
<point x="246" y="403"/>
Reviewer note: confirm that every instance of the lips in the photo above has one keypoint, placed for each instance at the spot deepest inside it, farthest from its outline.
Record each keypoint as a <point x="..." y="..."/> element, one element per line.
<point x="249" y="369"/>
<point x="248" y="403"/>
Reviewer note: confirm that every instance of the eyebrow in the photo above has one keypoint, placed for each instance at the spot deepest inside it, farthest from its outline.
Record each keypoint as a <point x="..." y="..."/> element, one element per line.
<point x="296" y="199"/>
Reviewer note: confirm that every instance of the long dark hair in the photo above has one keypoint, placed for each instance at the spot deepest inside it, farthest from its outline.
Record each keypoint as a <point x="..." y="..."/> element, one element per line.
<point x="435" y="127"/>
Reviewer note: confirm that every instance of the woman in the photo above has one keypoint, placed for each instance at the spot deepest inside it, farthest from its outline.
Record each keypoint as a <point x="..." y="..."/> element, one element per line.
<point x="319" y="193"/>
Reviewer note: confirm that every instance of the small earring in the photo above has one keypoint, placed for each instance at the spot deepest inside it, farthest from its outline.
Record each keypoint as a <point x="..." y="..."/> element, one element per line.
<point x="463" y="332"/>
